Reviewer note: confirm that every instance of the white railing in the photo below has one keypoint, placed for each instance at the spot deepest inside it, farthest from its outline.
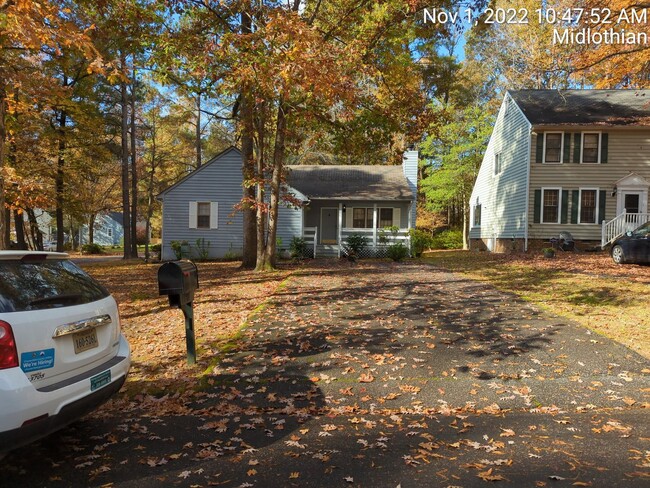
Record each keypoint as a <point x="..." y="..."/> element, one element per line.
<point x="620" y="225"/>
<point x="377" y="239"/>
<point x="310" y="235"/>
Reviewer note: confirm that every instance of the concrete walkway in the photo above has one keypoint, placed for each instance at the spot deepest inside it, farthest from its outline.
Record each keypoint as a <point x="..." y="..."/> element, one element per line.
<point x="382" y="374"/>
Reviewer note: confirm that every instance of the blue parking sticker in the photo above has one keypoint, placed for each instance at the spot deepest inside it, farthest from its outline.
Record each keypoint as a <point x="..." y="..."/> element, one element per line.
<point x="37" y="360"/>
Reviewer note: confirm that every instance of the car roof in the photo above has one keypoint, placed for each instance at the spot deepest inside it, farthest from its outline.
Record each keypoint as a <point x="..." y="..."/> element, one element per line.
<point x="7" y="255"/>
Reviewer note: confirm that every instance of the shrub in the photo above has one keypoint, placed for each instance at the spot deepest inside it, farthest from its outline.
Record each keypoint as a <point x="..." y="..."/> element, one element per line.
<point x="397" y="252"/>
<point x="91" y="249"/>
<point x="355" y="245"/>
<point x="179" y="248"/>
<point x="202" y="249"/>
<point x="420" y="241"/>
<point x="298" y="247"/>
<point x="448" y="239"/>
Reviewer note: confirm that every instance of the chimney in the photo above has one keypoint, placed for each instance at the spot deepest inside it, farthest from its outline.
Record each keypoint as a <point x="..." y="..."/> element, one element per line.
<point x="410" y="169"/>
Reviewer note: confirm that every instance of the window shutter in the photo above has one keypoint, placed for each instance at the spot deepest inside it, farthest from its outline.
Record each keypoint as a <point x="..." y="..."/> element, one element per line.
<point x="537" y="208"/>
<point x="567" y="148"/>
<point x="193" y="213"/>
<point x="575" y="205"/>
<point x="601" y="205"/>
<point x="397" y="220"/>
<point x="577" y="147"/>
<point x="604" y="140"/>
<point x="214" y="215"/>
<point x="565" y="207"/>
<point x="539" y="154"/>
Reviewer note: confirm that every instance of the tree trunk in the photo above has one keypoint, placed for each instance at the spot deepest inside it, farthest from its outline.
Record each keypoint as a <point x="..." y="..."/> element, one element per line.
<point x="126" y="208"/>
<point x="59" y="179"/>
<point x="4" y="224"/>
<point x="198" y="130"/>
<point x="35" y="231"/>
<point x="6" y="231"/>
<point x="91" y="228"/>
<point x="19" y="224"/>
<point x="134" y="176"/>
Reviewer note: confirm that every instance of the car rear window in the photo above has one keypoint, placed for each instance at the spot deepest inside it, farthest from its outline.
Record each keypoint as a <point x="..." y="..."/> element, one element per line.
<point x="42" y="284"/>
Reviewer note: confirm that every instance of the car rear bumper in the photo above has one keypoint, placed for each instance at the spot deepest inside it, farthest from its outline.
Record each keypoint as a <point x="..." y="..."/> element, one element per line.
<point x="27" y="415"/>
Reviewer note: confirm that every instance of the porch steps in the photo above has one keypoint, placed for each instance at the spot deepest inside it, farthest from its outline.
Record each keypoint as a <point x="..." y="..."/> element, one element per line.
<point x="327" y="251"/>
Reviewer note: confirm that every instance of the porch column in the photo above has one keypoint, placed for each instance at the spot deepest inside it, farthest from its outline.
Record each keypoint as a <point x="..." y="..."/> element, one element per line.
<point x="338" y="238"/>
<point x="374" y="226"/>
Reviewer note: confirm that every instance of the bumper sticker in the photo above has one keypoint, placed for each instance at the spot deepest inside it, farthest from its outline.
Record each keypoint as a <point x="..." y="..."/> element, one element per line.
<point x="37" y="360"/>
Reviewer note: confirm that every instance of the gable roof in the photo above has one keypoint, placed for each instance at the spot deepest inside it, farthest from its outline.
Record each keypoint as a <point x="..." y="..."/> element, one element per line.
<point x="350" y="182"/>
<point x="584" y="107"/>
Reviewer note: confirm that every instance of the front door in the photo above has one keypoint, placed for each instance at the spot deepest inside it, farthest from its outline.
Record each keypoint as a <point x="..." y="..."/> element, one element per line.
<point x="329" y="225"/>
<point x="632" y="202"/>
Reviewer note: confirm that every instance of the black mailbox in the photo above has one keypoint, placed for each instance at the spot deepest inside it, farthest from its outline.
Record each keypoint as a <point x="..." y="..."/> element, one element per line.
<point x="179" y="280"/>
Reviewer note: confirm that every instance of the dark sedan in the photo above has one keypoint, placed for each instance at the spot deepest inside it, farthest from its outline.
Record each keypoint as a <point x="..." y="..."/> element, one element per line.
<point x="633" y="247"/>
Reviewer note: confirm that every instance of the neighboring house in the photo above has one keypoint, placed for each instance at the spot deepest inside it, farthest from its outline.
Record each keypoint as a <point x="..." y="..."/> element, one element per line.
<point x="108" y="230"/>
<point x="336" y="201"/>
<point x="574" y="160"/>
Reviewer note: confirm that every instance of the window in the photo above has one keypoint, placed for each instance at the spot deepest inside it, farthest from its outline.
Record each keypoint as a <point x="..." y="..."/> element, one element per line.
<point x="591" y="147"/>
<point x="477" y="214"/>
<point x="385" y="217"/>
<point x="497" y="163"/>
<point x="362" y="218"/>
<point x="550" y="206"/>
<point x="110" y="232"/>
<point x="203" y="215"/>
<point x="553" y="147"/>
<point x="588" y="206"/>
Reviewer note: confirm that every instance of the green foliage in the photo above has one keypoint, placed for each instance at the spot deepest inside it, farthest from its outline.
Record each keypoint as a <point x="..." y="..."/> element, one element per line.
<point x="202" y="249"/>
<point x="448" y="239"/>
<point x="92" y="249"/>
<point x="298" y="247"/>
<point x="355" y="245"/>
<point x="180" y="249"/>
<point x="397" y="251"/>
<point x="231" y="255"/>
<point x="420" y="241"/>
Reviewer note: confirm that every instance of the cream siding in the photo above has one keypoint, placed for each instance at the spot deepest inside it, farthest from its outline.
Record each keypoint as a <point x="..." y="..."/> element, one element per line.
<point x="628" y="152"/>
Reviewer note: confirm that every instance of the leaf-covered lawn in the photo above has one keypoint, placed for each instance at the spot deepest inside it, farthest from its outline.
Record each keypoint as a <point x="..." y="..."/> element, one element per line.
<point x="610" y="299"/>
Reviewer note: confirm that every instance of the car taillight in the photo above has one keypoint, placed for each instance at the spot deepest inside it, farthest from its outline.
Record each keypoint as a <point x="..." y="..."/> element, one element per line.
<point x="8" y="351"/>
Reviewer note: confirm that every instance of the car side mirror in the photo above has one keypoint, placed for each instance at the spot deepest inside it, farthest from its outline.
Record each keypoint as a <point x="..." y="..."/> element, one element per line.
<point x="629" y="233"/>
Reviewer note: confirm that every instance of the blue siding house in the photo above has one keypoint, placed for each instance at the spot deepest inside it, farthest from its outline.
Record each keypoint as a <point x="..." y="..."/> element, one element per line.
<point x="108" y="230"/>
<point x="200" y="210"/>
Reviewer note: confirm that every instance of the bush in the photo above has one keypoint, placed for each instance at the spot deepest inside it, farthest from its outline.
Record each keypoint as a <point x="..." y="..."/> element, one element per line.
<point x="355" y="245"/>
<point x="397" y="252"/>
<point x="420" y="241"/>
<point x="298" y="247"/>
<point x="448" y="239"/>
<point x="91" y="249"/>
<point x="180" y="248"/>
<point x="202" y="249"/>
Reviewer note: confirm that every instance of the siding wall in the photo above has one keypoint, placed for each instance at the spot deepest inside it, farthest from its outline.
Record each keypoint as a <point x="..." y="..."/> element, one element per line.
<point x="219" y="180"/>
<point x="503" y="196"/>
<point x="628" y="151"/>
<point x="410" y="168"/>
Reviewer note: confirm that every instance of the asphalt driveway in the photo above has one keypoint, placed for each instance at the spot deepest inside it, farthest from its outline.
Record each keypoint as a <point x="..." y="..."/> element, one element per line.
<point x="378" y="374"/>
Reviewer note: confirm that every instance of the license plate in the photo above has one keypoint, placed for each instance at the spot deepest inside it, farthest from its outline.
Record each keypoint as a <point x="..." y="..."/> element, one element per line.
<point x="102" y="379"/>
<point x="85" y="340"/>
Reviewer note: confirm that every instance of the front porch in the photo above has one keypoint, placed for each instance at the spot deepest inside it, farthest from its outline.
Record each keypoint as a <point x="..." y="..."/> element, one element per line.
<point x="377" y="242"/>
<point x="621" y="224"/>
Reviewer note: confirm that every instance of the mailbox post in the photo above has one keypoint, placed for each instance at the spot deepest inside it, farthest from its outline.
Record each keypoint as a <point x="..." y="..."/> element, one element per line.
<point x="179" y="280"/>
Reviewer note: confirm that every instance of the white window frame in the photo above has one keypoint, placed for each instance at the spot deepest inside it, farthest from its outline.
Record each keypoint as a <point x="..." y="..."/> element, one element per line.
<point x="595" y="210"/>
<point x="477" y="205"/>
<point x="214" y="215"/>
<point x="559" y="205"/>
<point x="582" y="145"/>
<point x="561" y="148"/>
<point x="498" y="163"/>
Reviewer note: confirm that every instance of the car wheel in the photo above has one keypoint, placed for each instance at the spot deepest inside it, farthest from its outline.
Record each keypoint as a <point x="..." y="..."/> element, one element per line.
<point x="618" y="256"/>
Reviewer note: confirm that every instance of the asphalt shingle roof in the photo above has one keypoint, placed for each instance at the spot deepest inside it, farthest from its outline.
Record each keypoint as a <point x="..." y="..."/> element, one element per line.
<point x="350" y="182"/>
<point x="584" y="107"/>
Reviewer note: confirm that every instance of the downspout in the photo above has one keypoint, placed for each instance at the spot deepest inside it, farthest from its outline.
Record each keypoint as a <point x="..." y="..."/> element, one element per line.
<point x="340" y="219"/>
<point x="527" y="206"/>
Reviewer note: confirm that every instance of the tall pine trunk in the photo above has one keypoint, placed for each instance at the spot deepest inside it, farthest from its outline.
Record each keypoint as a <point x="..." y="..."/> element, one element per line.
<point x="199" y="156"/>
<point x="134" y="176"/>
<point x="59" y="179"/>
<point x="126" y="208"/>
<point x="4" y="222"/>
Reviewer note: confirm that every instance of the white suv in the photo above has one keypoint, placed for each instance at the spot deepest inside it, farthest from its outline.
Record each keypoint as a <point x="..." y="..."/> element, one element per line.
<point x="62" y="352"/>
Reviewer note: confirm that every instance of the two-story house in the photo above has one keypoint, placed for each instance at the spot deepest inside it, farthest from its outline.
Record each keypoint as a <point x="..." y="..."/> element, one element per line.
<point x="574" y="160"/>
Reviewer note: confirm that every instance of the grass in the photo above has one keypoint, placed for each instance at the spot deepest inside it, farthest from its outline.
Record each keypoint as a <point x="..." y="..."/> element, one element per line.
<point x="588" y="288"/>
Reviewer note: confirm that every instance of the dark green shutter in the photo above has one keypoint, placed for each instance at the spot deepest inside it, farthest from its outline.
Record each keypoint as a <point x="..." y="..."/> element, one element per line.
<point x="567" y="148"/>
<point x="604" y="139"/>
<point x="537" y="208"/>
<point x="540" y="148"/>
<point x="565" y="206"/>
<point x="601" y="206"/>
<point x="575" y="204"/>
<point x="576" y="147"/>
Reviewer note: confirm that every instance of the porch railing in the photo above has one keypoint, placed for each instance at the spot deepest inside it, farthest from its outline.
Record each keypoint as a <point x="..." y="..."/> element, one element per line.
<point x="310" y="235"/>
<point x="620" y="225"/>
<point x="378" y="240"/>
